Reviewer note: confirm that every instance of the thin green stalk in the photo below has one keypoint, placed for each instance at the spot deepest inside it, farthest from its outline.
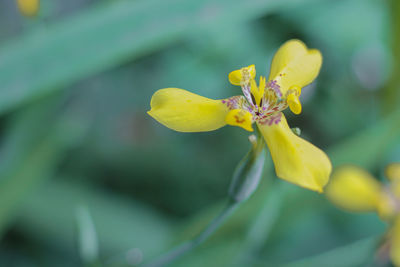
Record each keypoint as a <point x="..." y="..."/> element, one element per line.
<point x="181" y="250"/>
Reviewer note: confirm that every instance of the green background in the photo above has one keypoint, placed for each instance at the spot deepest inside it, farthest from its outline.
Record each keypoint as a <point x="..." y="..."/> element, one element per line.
<point x="79" y="153"/>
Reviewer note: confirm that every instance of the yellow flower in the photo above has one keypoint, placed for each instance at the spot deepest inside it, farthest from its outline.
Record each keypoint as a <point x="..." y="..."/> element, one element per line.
<point x="354" y="189"/>
<point x="293" y="67"/>
<point x="28" y="7"/>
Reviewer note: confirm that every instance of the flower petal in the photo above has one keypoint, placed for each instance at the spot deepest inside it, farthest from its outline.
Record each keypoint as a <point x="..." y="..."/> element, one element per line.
<point x="294" y="103"/>
<point x="395" y="243"/>
<point x="296" y="160"/>
<point x="295" y="65"/>
<point x="184" y="111"/>
<point x="241" y="118"/>
<point x="236" y="76"/>
<point x="354" y="189"/>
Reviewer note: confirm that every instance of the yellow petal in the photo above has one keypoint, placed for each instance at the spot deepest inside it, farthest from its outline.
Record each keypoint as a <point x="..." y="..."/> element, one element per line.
<point x="354" y="189"/>
<point x="296" y="160"/>
<point x="184" y="111"/>
<point x="392" y="171"/>
<point x="294" y="103"/>
<point x="395" y="243"/>
<point x="255" y="92"/>
<point x="236" y="76"/>
<point x="261" y="85"/>
<point x="28" y="7"/>
<point x="241" y="118"/>
<point x="295" y="65"/>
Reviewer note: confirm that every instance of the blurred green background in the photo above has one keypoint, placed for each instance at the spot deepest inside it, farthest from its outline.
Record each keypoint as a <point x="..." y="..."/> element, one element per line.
<point x="75" y="139"/>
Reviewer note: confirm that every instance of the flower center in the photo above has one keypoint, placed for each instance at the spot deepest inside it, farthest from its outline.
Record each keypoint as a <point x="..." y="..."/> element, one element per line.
<point x="264" y="101"/>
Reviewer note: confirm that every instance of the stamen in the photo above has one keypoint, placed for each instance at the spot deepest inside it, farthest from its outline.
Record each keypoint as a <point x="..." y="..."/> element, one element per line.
<point x="246" y="92"/>
<point x="233" y="102"/>
<point x="275" y="86"/>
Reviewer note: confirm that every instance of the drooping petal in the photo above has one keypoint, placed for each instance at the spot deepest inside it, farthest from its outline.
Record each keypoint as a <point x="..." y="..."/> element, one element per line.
<point x="241" y="118"/>
<point x="295" y="65"/>
<point x="296" y="160"/>
<point x="395" y="243"/>
<point x="354" y="189"/>
<point x="236" y="76"/>
<point x="184" y="111"/>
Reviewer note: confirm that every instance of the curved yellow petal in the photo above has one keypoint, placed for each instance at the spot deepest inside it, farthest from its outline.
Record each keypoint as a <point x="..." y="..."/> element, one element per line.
<point x="354" y="189"/>
<point x="294" y="103"/>
<point x="295" y="65"/>
<point x="296" y="160"/>
<point x="392" y="171"/>
<point x="28" y="7"/>
<point x="241" y="118"/>
<point x="184" y="111"/>
<point x="395" y="243"/>
<point x="236" y="76"/>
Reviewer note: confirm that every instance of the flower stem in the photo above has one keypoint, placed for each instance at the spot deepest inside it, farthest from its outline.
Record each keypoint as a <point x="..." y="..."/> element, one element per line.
<point x="181" y="250"/>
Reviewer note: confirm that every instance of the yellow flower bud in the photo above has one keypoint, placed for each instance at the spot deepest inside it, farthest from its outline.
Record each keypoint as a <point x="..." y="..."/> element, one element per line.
<point x="354" y="189"/>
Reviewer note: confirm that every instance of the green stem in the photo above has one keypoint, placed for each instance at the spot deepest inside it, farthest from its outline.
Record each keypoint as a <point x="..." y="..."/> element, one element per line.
<point x="181" y="250"/>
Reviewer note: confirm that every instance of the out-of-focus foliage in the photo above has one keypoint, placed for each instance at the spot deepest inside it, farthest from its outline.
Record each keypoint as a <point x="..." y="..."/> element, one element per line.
<point x="75" y="85"/>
